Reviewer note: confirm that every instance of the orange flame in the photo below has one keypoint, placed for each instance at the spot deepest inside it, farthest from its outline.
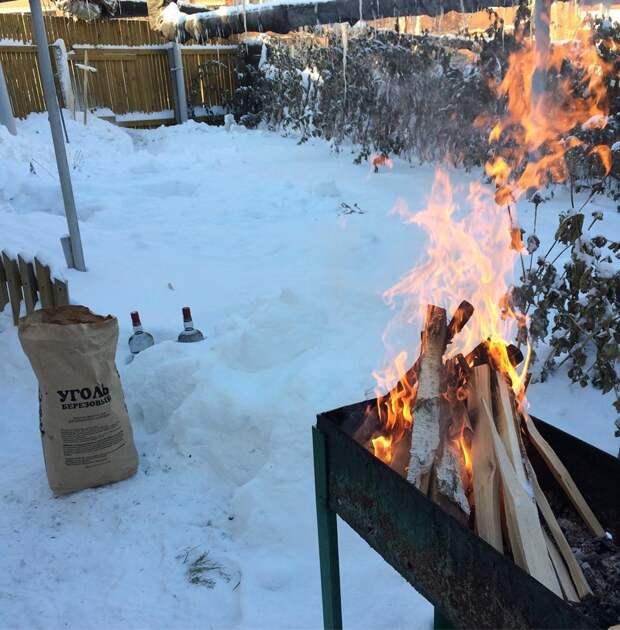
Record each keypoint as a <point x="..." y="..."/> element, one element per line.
<point x="534" y="132"/>
<point x="473" y="246"/>
<point x="466" y="455"/>
<point x="469" y="256"/>
<point x="395" y="410"/>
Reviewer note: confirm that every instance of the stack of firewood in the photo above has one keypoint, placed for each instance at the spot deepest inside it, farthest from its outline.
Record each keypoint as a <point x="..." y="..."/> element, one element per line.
<point x="466" y="451"/>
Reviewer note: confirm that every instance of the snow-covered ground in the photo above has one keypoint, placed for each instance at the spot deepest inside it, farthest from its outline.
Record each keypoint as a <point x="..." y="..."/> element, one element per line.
<point x="248" y="229"/>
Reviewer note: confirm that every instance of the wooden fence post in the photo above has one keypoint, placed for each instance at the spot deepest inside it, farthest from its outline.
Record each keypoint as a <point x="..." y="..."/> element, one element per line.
<point x="29" y="283"/>
<point x="44" y="282"/>
<point x="175" y="59"/>
<point x="4" y="294"/>
<point x="61" y="293"/>
<point x="14" y="284"/>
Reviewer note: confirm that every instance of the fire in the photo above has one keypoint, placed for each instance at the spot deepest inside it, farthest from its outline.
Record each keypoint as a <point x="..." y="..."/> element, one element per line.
<point x="473" y="246"/>
<point x="531" y="140"/>
<point x="468" y="254"/>
<point x="382" y="448"/>
<point x="466" y="455"/>
<point x="395" y="410"/>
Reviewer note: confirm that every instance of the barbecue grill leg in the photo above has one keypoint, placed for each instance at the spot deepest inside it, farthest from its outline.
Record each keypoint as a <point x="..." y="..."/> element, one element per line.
<point x="328" y="538"/>
<point x="440" y="622"/>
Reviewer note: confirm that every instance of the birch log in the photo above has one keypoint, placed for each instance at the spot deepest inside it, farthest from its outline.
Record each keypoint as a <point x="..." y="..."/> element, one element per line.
<point x="427" y="410"/>
<point x="450" y="476"/>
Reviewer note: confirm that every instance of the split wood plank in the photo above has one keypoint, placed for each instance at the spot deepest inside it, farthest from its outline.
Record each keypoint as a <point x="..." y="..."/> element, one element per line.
<point x="507" y="429"/>
<point x="44" y="282"/>
<point x="29" y="283"/>
<point x="14" y="284"/>
<point x="461" y="316"/>
<point x="4" y="293"/>
<point x="525" y="532"/>
<point x="563" y="477"/>
<point x="484" y="465"/>
<point x="427" y="411"/>
<point x="61" y="293"/>
<point x="579" y="579"/>
<point x="568" y="588"/>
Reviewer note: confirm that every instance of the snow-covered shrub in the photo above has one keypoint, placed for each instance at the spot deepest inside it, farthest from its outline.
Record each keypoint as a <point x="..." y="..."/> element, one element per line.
<point x="389" y="93"/>
<point x="575" y="306"/>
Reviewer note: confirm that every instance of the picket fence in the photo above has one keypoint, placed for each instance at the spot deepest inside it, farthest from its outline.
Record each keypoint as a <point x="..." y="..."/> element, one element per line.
<point x="30" y="282"/>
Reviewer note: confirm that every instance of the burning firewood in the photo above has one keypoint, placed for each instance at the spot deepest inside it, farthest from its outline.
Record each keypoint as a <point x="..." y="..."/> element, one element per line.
<point x="463" y="440"/>
<point x="485" y="472"/>
<point x="525" y="533"/>
<point x="461" y="316"/>
<point x="427" y="410"/>
<point x="579" y="580"/>
<point x="436" y="461"/>
<point x="563" y="477"/>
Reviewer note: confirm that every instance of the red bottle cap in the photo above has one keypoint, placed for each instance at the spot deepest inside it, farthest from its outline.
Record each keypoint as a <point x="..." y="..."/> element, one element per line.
<point x="135" y="318"/>
<point x="187" y="314"/>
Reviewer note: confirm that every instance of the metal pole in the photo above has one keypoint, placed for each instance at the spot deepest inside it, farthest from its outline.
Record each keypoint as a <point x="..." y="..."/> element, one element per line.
<point x="328" y="538"/>
<point x="6" y="113"/>
<point x="542" y="24"/>
<point x="179" y="79"/>
<point x="53" y="112"/>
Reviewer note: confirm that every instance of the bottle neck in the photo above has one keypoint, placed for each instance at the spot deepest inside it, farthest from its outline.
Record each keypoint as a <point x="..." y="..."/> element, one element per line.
<point x="188" y="324"/>
<point x="137" y="328"/>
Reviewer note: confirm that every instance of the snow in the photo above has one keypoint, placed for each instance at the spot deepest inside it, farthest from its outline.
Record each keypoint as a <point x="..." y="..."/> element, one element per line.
<point x="247" y="228"/>
<point x="164" y="114"/>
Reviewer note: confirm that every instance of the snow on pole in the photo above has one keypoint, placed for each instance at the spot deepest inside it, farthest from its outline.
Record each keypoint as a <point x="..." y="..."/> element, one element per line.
<point x="53" y="112"/>
<point x="6" y="113"/>
<point x="64" y="76"/>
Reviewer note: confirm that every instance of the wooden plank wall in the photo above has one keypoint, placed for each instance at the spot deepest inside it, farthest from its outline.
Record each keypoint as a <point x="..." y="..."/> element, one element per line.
<point x="21" y="71"/>
<point x="118" y="32"/>
<point x="209" y="75"/>
<point x="128" y="80"/>
<point x="29" y="282"/>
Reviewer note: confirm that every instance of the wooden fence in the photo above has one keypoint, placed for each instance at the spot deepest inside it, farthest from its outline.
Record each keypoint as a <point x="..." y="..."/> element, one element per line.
<point x="127" y="80"/>
<point x="30" y="282"/>
<point x="120" y="32"/>
<point x="21" y="71"/>
<point x="132" y="85"/>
